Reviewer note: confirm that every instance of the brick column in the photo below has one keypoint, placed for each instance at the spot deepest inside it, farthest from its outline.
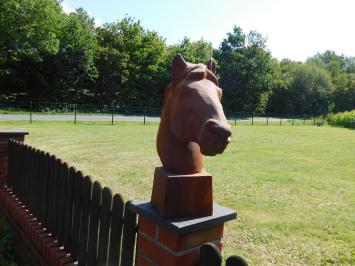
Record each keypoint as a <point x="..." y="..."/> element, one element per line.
<point x="5" y="136"/>
<point x="176" y="242"/>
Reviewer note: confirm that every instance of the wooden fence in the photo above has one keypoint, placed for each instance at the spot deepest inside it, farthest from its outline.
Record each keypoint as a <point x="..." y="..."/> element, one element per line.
<point x="96" y="227"/>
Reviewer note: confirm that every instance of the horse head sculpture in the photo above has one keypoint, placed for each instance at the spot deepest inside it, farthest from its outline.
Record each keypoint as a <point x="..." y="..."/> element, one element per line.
<point x="193" y="123"/>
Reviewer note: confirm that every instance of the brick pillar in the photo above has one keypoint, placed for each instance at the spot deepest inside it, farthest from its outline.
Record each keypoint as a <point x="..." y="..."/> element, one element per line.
<point x="5" y="136"/>
<point x="176" y="242"/>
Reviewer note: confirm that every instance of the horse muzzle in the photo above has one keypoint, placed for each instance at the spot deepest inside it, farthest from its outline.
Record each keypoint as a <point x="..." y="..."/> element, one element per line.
<point x="214" y="137"/>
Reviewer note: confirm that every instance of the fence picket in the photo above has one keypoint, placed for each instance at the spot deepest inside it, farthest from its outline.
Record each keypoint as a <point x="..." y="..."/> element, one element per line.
<point x="63" y="174"/>
<point x="47" y="181"/>
<point x="105" y="220"/>
<point x="116" y="230"/>
<point x="68" y="207"/>
<point x="129" y="233"/>
<point x="77" y="211"/>
<point x="94" y="223"/>
<point x="84" y="223"/>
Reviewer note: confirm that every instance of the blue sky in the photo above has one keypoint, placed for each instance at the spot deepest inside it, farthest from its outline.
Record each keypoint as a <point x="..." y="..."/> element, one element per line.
<point x="295" y="29"/>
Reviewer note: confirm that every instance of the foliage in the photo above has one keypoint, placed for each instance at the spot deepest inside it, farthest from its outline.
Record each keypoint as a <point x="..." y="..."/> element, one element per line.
<point x="247" y="71"/>
<point x="7" y="252"/>
<point x="132" y="64"/>
<point x="49" y="56"/>
<point x="195" y="52"/>
<point x="345" y="119"/>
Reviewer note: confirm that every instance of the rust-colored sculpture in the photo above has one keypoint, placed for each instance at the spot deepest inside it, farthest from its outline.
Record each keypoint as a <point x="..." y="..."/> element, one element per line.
<point x="192" y="124"/>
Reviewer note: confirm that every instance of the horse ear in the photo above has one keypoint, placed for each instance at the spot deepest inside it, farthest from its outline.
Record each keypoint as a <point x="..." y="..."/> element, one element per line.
<point x="178" y="67"/>
<point x="211" y="65"/>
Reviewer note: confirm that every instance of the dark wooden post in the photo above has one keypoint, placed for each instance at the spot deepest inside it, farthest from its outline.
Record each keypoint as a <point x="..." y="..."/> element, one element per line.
<point x="252" y="118"/>
<point x="267" y="119"/>
<point x="74" y="113"/>
<point x="144" y="116"/>
<point x="5" y="136"/>
<point x="112" y="116"/>
<point x="31" y="113"/>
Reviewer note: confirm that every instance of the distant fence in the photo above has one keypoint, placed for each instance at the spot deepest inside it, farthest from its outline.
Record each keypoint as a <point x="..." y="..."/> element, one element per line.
<point x="96" y="227"/>
<point x="41" y="111"/>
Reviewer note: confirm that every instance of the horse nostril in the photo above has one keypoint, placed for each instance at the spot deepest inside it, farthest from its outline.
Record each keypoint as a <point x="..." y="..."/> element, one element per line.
<point x="219" y="129"/>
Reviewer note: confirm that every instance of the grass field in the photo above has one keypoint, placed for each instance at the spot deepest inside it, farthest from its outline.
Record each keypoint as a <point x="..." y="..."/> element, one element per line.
<point x="293" y="187"/>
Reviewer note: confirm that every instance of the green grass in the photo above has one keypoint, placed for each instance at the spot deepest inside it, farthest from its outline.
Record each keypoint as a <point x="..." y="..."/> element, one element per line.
<point x="293" y="187"/>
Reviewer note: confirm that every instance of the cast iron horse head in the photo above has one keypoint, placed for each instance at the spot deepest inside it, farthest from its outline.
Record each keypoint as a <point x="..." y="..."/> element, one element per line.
<point x="193" y="123"/>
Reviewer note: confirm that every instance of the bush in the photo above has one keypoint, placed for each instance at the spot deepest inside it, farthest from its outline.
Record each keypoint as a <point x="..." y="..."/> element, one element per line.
<point x="345" y="119"/>
<point x="7" y="246"/>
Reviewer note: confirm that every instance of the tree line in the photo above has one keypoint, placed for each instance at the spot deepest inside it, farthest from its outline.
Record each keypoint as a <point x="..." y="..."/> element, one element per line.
<point x="49" y="56"/>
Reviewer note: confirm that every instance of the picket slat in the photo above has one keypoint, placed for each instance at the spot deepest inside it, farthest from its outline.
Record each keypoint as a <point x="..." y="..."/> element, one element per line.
<point x="129" y="235"/>
<point x="84" y="222"/>
<point x="77" y="211"/>
<point x="116" y="230"/>
<point x="68" y="207"/>
<point x="94" y="223"/>
<point x="105" y="220"/>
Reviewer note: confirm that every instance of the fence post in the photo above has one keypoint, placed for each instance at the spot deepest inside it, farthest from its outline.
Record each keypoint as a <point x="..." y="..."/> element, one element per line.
<point x="252" y="118"/>
<point x="235" y="118"/>
<point x="280" y="119"/>
<point x="144" y="111"/>
<point x="74" y="113"/>
<point x="267" y="119"/>
<point x="4" y="146"/>
<point x="31" y="113"/>
<point x="112" y="115"/>
<point x="314" y="120"/>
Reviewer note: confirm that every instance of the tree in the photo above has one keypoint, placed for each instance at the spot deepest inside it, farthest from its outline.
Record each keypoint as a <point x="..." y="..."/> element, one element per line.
<point x="194" y="52"/>
<point x="342" y="71"/>
<point x="73" y="67"/>
<point x="141" y="70"/>
<point x="310" y="89"/>
<point x="28" y="31"/>
<point x="247" y="71"/>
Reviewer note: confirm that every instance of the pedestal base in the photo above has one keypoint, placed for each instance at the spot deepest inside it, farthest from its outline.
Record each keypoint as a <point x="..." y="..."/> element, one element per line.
<point x="182" y="195"/>
<point x="176" y="242"/>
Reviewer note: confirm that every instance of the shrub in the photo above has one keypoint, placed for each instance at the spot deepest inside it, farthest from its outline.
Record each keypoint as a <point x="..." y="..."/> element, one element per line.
<point x="7" y="246"/>
<point x="344" y="119"/>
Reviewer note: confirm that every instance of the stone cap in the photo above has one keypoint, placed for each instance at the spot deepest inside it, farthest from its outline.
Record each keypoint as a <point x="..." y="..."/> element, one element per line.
<point x="13" y="133"/>
<point x="182" y="226"/>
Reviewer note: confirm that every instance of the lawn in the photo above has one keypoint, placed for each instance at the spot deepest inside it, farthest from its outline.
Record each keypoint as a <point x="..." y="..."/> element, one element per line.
<point x="293" y="187"/>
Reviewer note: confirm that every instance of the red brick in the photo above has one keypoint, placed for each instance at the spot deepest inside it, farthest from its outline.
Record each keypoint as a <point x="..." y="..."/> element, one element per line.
<point x="162" y="256"/>
<point x="65" y="260"/>
<point x="147" y="226"/>
<point x="190" y="240"/>
<point x="141" y="261"/>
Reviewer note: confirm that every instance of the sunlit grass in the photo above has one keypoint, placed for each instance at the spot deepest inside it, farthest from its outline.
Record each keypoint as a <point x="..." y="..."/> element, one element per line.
<point x="293" y="187"/>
